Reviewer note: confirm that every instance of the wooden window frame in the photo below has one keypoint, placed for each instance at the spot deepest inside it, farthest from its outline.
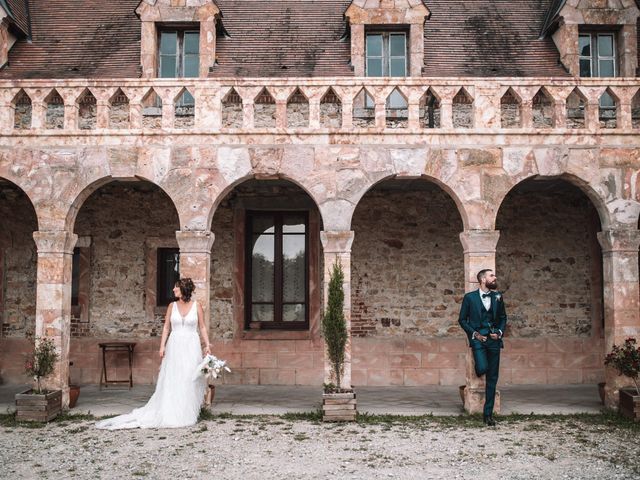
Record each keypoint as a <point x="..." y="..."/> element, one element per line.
<point x="278" y="303"/>
<point x="595" y="57"/>
<point x="161" y="300"/>
<point x="386" y="50"/>
<point x="180" y="31"/>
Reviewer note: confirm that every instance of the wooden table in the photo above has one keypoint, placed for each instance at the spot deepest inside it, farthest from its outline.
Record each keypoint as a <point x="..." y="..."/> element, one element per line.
<point x="116" y="347"/>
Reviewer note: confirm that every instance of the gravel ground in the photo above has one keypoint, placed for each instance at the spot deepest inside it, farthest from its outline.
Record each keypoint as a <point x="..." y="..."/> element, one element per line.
<point x="574" y="447"/>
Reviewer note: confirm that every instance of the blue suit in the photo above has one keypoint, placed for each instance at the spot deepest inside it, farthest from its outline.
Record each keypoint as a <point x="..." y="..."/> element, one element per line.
<point x="474" y="317"/>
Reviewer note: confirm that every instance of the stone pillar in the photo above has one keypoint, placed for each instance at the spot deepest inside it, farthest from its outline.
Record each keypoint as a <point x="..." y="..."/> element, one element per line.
<point x="479" y="253"/>
<point x="446" y="113"/>
<point x="357" y="50"/>
<point x="622" y="319"/>
<point x="53" y="300"/>
<point x="148" y="49"/>
<point x="337" y="247"/>
<point x="195" y="263"/>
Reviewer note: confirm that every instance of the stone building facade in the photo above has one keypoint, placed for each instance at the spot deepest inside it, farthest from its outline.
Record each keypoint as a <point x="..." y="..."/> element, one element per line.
<point x="503" y="155"/>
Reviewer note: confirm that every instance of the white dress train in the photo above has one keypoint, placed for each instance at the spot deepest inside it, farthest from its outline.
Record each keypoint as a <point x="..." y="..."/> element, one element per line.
<point x="177" y="399"/>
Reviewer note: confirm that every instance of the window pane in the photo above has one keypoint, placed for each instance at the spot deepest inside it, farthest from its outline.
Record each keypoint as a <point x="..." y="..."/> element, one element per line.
<point x="263" y="224"/>
<point x="168" y="274"/>
<point x="374" y="67"/>
<point x="191" y="66"/>
<point x="374" y="45"/>
<point x="397" y="46"/>
<point x="293" y="268"/>
<point x="396" y="101"/>
<point x="607" y="68"/>
<point x="605" y="45"/>
<point x="168" y="43"/>
<point x="186" y="100"/>
<point x="607" y="100"/>
<point x="167" y="66"/>
<point x="191" y="42"/>
<point x="75" y="276"/>
<point x="398" y="67"/>
<point x="262" y="313"/>
<point x="262" y="268"/>
<point x="293" y="224"/>
<point x="293" y="313"/>
<point x="585" y="67"/>
<point x="584" y="45"/>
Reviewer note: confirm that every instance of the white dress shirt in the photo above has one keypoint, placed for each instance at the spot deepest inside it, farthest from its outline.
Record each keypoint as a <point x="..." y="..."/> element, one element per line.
<point x="486" y="301"/>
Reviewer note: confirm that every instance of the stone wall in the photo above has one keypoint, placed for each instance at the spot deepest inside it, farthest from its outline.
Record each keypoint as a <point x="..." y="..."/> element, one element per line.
<point x="222" y="256"/>
<point x="548" y="261"/>
<point x="119" y="218"/>
<point x="17" y="262"/>
<point x="407" y="263"/>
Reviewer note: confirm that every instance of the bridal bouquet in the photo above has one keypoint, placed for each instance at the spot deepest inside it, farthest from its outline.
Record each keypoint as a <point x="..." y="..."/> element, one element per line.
<point x="211" y="367"/>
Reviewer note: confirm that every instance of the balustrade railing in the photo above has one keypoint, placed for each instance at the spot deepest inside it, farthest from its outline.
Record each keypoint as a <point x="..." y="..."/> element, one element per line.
<point x="341" y="105"/>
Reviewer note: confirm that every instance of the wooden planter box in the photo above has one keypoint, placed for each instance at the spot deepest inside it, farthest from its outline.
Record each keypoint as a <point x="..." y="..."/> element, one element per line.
<point x="339" y="407"/>
<point x="38" y="407"/>
<point x="630" y="404"/>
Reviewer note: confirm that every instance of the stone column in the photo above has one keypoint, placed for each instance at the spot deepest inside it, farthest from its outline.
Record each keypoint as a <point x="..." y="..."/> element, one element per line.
<point x="195" y="263"/>
<point x="337" y="247"/>
<point x="620" y="277"/>
<point x="53" y="300"/>
<point x="479" y="253"/>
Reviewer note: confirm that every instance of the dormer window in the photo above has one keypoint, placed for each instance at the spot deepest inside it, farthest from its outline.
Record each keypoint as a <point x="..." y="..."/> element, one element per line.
<point x="597" y="54"/>
<point x="179" y="53"/>
<point x="386" y="54"/>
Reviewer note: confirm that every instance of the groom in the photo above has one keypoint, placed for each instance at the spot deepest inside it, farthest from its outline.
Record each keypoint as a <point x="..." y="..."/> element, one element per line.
<point x="483" y="318"/>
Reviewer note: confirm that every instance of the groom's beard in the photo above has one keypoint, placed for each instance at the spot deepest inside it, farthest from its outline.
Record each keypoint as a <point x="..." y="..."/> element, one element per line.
<point x="493" y="285"/>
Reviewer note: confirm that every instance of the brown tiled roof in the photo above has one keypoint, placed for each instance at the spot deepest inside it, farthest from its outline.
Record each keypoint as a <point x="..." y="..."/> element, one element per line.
<point x="82" y="38"/>
<point x="489" y="38"/>
<point x="19" y="14"/>
<point x="101" y="38"/>
<point x="298" y="38"/>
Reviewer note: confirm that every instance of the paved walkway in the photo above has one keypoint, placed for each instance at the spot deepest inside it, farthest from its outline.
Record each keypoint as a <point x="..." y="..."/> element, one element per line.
<point x="275" y="400"/>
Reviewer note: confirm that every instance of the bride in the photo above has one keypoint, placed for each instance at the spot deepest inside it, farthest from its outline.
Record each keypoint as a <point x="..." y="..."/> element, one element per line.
<point x="177" y="398"/>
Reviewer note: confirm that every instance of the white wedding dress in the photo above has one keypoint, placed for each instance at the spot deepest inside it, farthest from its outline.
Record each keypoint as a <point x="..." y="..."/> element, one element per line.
<point x="177" y="399"/>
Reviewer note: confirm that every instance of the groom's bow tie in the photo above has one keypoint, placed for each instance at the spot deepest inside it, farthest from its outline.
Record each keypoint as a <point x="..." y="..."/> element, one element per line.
<point x="485" y="295"/>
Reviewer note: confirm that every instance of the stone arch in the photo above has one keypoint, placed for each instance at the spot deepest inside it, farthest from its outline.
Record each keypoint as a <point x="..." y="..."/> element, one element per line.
<point x="405" y="229"/>
<point x="587" y="189"/>
<point x="85" y="191"/>
<point x="446" y="188"/>
<point x="253" y="175"/>
<point x="18" y="277"/>
<point x="549" y="266"/>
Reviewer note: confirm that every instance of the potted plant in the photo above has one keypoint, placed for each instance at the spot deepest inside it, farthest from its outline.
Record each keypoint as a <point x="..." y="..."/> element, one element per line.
<point x="626" y="360"/>
<point x="37" y="404"/>
<point x="338" y="403"/>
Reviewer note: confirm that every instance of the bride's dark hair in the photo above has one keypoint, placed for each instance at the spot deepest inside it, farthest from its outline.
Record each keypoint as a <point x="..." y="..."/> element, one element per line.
<point x="186" y="288"/>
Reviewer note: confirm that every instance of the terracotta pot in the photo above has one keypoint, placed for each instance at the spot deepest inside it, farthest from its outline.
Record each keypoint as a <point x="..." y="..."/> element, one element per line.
<point x="74" y="393"/>
<point x="601" y="391"/>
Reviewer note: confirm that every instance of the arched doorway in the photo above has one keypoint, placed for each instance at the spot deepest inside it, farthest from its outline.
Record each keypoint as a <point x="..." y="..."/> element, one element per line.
<point x="549" y="265"/>
<point x="407" y="271"/>
<point x="124" y="265"/>
<point x="265" y="284"/>
<point x="18" y="262"/>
